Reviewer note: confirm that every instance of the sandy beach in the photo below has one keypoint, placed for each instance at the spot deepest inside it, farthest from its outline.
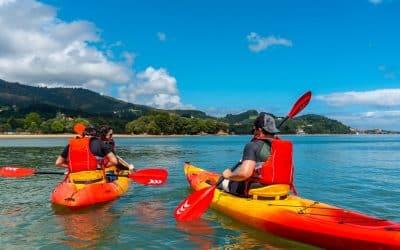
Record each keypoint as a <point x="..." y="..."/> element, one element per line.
<point x="58" y="135"/>
<point x="9" y="136"/>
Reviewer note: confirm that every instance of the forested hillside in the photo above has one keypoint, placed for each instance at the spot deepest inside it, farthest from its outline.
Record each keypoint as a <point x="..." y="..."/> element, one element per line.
<point x="303" y="124"/>
<point x="31" y="109"/>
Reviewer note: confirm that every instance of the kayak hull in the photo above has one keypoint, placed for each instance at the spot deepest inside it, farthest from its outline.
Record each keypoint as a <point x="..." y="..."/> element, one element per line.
<point x="76" y="196"/>
<point x="301" y="219"/>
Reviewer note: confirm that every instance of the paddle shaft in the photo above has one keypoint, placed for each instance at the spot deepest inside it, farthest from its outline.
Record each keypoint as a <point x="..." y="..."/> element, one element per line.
<point x="283" y="121"/>
<point x="61" y="173"/>
<point x="123" y="162"/>
<point x="49" y="172"/>
<point x="232" y="169"/>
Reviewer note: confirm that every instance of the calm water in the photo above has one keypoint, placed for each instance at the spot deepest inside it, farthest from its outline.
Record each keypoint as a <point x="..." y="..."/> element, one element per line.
<point x="355" y="172"/>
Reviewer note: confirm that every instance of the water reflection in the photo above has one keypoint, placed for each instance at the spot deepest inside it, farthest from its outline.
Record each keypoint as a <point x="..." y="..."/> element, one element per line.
<point x="10" y="216"/>
<point x="198" y="232"/>
<point x="236" y="235"/>
<point x="150" y="212"/>
<point x="86" y="227"/>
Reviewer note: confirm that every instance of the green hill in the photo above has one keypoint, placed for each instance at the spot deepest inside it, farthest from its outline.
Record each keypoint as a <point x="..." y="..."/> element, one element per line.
<point x="18" y="102"/>
<point x="309" y="124"/>
<point x="77" y="99"/>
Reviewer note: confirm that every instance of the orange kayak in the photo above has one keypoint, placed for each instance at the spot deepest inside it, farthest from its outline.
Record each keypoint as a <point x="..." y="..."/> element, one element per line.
<point x="76" y="191"/>
<point x="274" y="210"/>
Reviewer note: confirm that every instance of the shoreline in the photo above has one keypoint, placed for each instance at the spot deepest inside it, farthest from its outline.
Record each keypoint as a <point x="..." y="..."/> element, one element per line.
<point x="40" y="136"/>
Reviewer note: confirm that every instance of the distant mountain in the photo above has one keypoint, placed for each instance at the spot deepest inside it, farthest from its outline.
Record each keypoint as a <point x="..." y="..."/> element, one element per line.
<point x="308" y="124"/>
<point x="78" y="99"/>
<point x="244" y="117"/>
<point x="72" y="100"/>
<point x="17" y="100"/>
<point x="316" y="124"/>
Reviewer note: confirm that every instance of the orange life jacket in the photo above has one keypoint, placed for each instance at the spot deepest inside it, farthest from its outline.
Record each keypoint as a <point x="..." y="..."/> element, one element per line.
<point x="278" y="168"/>
<point x="80" y="158"/>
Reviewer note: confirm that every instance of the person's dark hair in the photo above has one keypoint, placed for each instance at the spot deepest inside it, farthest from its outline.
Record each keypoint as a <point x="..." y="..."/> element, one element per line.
<point x="103" y="131"/>
<point x="91" y="131"/>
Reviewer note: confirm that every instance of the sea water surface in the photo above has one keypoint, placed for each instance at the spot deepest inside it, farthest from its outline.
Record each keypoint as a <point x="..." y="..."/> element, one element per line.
<point x="360" y="173"/>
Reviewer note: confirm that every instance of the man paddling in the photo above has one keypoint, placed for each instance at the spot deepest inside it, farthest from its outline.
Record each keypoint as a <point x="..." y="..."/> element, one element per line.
<point x="258" y="168"/>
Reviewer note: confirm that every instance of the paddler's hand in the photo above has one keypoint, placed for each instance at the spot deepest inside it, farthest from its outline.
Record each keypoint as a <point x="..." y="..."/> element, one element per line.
<point x="227" y="173"/>
<point x="131" y="168"/>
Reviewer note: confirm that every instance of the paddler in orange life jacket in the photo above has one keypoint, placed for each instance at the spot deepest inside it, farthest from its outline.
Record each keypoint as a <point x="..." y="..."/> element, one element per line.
<point x="266" y="160"/>
<point x="85" y="153"/>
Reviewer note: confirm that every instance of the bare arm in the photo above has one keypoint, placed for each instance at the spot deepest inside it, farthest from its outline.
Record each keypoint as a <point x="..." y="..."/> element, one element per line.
<point x="61" y="162"/>
<point x="123" y="162"/>
<point x="244" y="172"/>
<point x="112" y="159"/>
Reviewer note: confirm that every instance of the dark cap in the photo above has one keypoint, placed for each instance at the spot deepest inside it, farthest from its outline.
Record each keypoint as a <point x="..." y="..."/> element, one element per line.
<point x="267" y="123"/>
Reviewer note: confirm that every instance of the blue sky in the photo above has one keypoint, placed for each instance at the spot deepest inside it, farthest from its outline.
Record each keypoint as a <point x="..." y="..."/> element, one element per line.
<point x="216" y="56"/>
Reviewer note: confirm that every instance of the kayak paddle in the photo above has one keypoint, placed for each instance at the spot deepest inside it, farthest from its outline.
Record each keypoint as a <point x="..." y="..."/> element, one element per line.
<point x="13" y="171"/>
<point x="150" y="176"/>
<point x="197" y="203"/>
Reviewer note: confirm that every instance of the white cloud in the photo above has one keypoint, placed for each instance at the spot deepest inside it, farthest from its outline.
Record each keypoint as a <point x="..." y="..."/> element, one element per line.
<point x="380" y="97"/>
<point x="376" y="2"/>
<point x="161" y="36"/>
<point x="4" y="2"/>
<point x="38" y="48"/>
<point x="388" y="120"/>
<point x="258" y="43"/>
<point x="381" y="114"/>
<point x="154" y="87"/>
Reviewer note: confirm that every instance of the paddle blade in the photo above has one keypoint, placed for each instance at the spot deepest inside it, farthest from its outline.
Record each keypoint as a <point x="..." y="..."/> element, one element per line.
<point x="195" y="205"/>
<point x="150" y="176"/>
<point x="11" y="171"/>
<point x="300" y="104"/>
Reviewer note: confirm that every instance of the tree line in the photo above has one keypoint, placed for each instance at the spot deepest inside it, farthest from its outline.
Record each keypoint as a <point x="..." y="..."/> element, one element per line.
<point x="165" y="123"/>
<point x="34" y="123"/>
<point x="162" y="123"/>
<point x="154" y="123"/>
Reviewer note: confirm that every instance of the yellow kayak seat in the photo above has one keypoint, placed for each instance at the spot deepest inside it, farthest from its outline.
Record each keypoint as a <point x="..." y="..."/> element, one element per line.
<point x="275" y="191"/>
